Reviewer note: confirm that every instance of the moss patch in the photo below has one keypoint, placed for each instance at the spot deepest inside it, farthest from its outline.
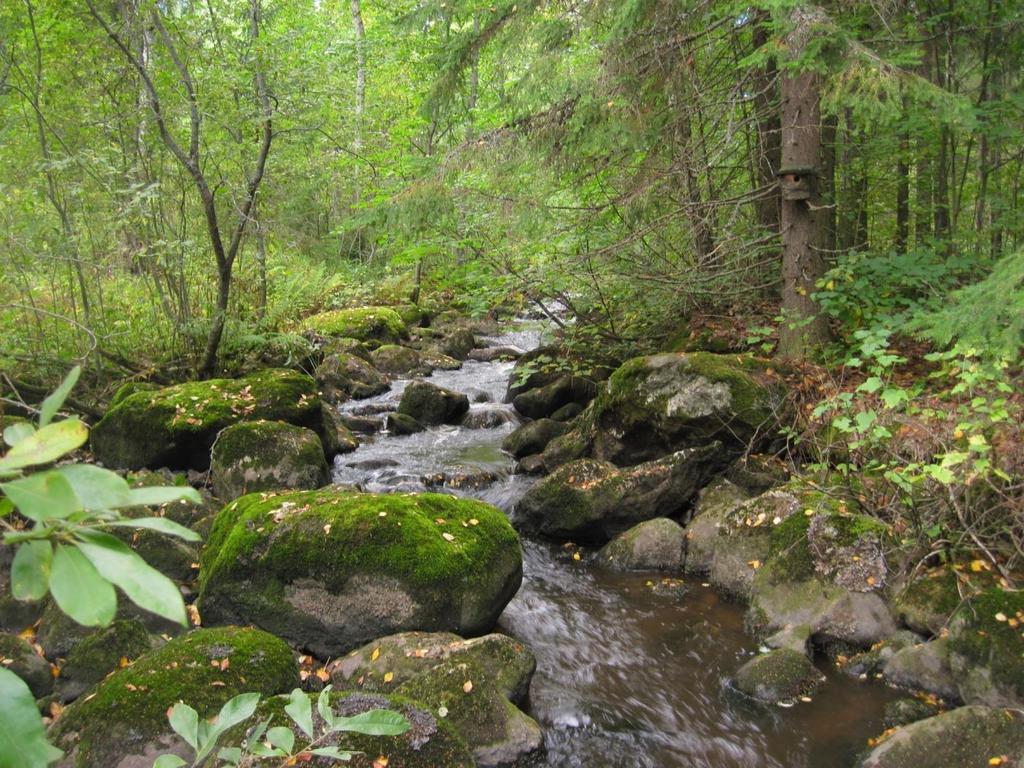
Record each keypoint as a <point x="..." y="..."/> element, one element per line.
<point x="370" y="325"/>
<point x="100" y="653"/>
<point x="982" y="634"/>
<point x="266" y="455"/>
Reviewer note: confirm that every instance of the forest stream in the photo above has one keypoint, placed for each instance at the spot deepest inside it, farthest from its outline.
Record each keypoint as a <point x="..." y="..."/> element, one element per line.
<point x="628" y="674"/>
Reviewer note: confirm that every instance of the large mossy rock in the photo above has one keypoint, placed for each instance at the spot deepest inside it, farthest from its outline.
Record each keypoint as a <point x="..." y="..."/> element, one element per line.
<point x="987" y="648"/>
<point x="926" y="604"/>
<point x="714" y="504"/>
<point x="655" y="405"/>
<point x="399" y="361"/>
<point x="176" y="426"/>
<point x="592" y="501"/>
<point x="266" y="456"/>
<point x="960" y="738"/>
<point x="342" y="376"/>
<point x="331" y="570"/>
<point x="543" y="402"/>
<point x="101" y="653"/>
<point x="923" y="667"/>
<point x="654" y="545"/>
<point x="371" y="325"/>
<point x="778" y="676"/>
<point x="533" y="437"/>
<point x="430" y="404"/>
<point x="20" y="657"/>
<point x="124" y="723"/>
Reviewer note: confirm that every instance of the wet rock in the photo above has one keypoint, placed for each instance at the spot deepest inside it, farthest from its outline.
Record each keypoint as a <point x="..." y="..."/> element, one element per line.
<point x="906" y="711"/>
<point x="926" y="604"/>
<point x="567" y="412"/>
<point x="402" y="424"/>
<point x="986" y="648"/>
<point x="100" y="653"/>
<point x="471" y="478"/>
<point x="370" y="465"/>
<point x="541" y="402"/>
<point x="331" y="570"/>
<point x="490" y="354"/>
<point x="371" y="325"/>
<point x="337" y="438"/>
<point x="592" y="501"/>
<point x="490" y="417"/>
<point x="654" y="405"/>
<point x="176" y="426"/>
<point x="15" y="615"/>
<point x="536" y="368"/>
<point x="778" y="676"/>
<point x="266" y="456"/>
<point x="796" y="638"/>
<point x="924" y="667"/>
<point x="757" y="474"/>
<point x="457" y="343"/>
<point x="654" y="545"/>
<point x="531" y="465"/>
<point x="438" y="361"/>
<point x="343" y="376"/>
<point x="18" y="656"/>
<point x="364" y="425"/>
<point x="533" y="437"/>
<point x="124" y="722"/>
<point x="955" y="739"/>
<point x="430" y="404"/>
<point x="714" y="504"/>
<point x="399" y="361"/>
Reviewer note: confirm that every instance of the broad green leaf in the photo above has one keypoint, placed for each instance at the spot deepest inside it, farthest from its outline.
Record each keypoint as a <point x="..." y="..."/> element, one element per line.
<point x="48" y="444"/>
<point x="20" y="430"/>
<point x="22" y="735"/>
<point x="42" y="496"/>
<point x="300" y="711"/>
<point x="236" y="710"/>
<point x="144" y="585"/>
<point x="282" y="738"/>
<point x="169" y="761"/>
<point x="259" y="749"/>
<point x="323" y="706"/>
<point x="162" y="494"/>
<point x="864" y="420"/>
<point x="30" y="570"/>
<point x="376" y="722"/>
<point x="893" y="397"/>
<point x="95" y="487"/>
<point x="334" y="752"/>
<point x="6" y="507"/>
<point x="79" y="589"/>
<point x="870" y="385"/>
<point x="942" y="474"/>
<point x="230" y="755"/>
<point x="56" y="398"/>
<point x="185" y="722"/>
<point x="158" y="524"/>
<point x="256" y="735"/>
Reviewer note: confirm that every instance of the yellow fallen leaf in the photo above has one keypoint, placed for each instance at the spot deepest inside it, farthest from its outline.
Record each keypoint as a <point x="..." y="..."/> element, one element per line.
<point x="474" y="521"/>
<point x="576" y="556"/>
<point x="996" y="760"/>
<point x="122" y="662"/>
<point x="755" y="564"/>
<point x="389" y="676"/>
<point x="1000" y="616"/>
<point x="870" y="580"/>
<point x="467" y="686"/>
<point x="375" y="655"/>
<point x="327" y="528"/>
<point x="323" y="675"/>
<point x="447" y="536"/>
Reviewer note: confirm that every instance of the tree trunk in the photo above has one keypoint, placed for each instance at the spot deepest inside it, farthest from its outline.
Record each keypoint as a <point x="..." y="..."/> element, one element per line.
<point x="357" y="139"/>
<point x="767" y="119"/>
<point x="804" y="222"/>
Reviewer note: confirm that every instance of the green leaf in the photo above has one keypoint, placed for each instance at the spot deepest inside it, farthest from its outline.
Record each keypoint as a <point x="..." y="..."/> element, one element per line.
<point x="323" y="706"/>
<point x="300" y="711"/>
<point x="282" y="738"/>
<point x="256" y="735"/>
<point x="48" y="444"/>
<point x="42" y="496"/>
<point x="169" y="761"/>
<point x="56" y="398"/>
<point x="185" y="722"/>
<point x="237" y="710"/>
<point x="158" y="524"/>
<point x="864" y="419"/>
<point x="230" y="755"/>
<point x="144" y="585"/>
<point x="30" y="570"/>
<point x="79" y="589"/>
<point x="20" y="430"/>
<point x="162" y="494"/>
<point x="22" y="735"/>
<point x="871" y="385"/>
<point x="893" y="397"/>
<point x="942" y="474"/>
<point x="95" y="487"/>
<point x="376" y="722"/>
<point x="334" y="752"/>
<point x="6" y="507"/>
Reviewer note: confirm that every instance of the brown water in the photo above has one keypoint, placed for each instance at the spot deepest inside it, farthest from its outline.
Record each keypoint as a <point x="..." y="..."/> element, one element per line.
<point x="625" y="677"/>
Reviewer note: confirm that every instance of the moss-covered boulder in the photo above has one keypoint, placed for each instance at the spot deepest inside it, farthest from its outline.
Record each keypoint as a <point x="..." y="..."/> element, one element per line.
<point x="337" y="438"/>
<point x="536" y="368"/>
<point x="20" y="657"/>
<point x="653" y="545"/>
<point x="926" y="603"/>
<point x="906" y="711"/>
<point x="266" y="455"/>
<point x="100" y="653"/>
<point x="542" y="402"/>
<point x="923" y="667"/>
<point x="176" y="426"/>
<point x="371" y="325"/>
<point x="331" y="570"/>
<point x="457" y="343"/>
<point x="130" y="388"/>
<point x="714" y="504"/>
<point x="654" y="405"/>
<point x="342" y="376"/>
<point x="399" y="361"/>
<point x="430" y="404"/>
<point x="402" y="424"/>
<point x="778" y="676"/>
<point x="986" y="643"/>
<point x="126" y="717"/>
<point x="532" y="438"/>
<point x="960" y="738"/>
<point x="431" y="742"/>
<point x="592" y="501"/>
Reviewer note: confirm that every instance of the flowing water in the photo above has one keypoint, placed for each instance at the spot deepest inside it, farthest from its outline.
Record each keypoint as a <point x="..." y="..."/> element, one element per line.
<point x="630" y="671"/>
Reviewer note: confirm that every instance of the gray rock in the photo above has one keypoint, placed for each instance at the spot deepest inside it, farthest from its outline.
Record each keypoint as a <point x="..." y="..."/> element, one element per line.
<point x="343" y="375"/>
<point x="402" y="424"/>
<point x="924" y="667"/>
<point x="542" y="402"/>
<point x="653" y="545"/>
<point x="778" y="676"/>
<point x="430" y="404"/>
<point x="18" y="656"/>
<point x="533" y="437"/>
<point x="714" y="503"/>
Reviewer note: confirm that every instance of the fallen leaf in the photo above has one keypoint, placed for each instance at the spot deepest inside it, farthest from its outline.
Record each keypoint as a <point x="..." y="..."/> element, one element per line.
<point x="327" y="528"/>
<point x="442" y="711"/>
<point x="474" y="521"/>
<point x="755" y="564"/>
<point x="467" y="686"/>
<point x="380" y="762"/>
<point x="447" y="536"/>
<point x="323" y="675"/>
<point x="1000" y="616"/>
<point x="375" y="655"/>
<point x="576" y="556"/>
<point x="389" y="676"/>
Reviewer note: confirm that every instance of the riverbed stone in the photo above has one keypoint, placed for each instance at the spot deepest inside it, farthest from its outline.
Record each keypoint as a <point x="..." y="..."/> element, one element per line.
<point x="778" y="676"/>
<point x="962" y="737"/>
<point x="402" y="424"/>
<point x="124" y="723"/>
<point x="531" y="438"/>
<point x="371" y="325"/>
<point x="987" y="648"/>
<point x="542" y="402"/>
<point x="264" y="456"/>
<point x="906" y="711"/>
<point x="332" y="569"/>
<point x="457" y="343"/>
<point x="337" y="438"/>
<point x="924" y="667"/>
<point x="101" y="653"/>
<point x="534" y="369"/>
<point x="658" y="404"/>
<point x="714" y="503"/>
<point x="592" y="501"/>
<point x="176" y="426"/>
<point x="343" y="375"/>
<point x="399" y="361"/>
<point x="653" y="545"/>
<point x="926" y="603"/>
<point x="430" y="404"/>
<point x="20" y="657"/>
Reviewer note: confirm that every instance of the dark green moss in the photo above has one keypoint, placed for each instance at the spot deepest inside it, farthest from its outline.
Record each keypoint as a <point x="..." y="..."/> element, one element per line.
<point x="367" y="324"/>
<point x="101" y="652"/>
<point x="131" y="388"/>
<point x="789" y="557"/>
<point x="18" y="656"/>
<point x="987" y="641"/>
